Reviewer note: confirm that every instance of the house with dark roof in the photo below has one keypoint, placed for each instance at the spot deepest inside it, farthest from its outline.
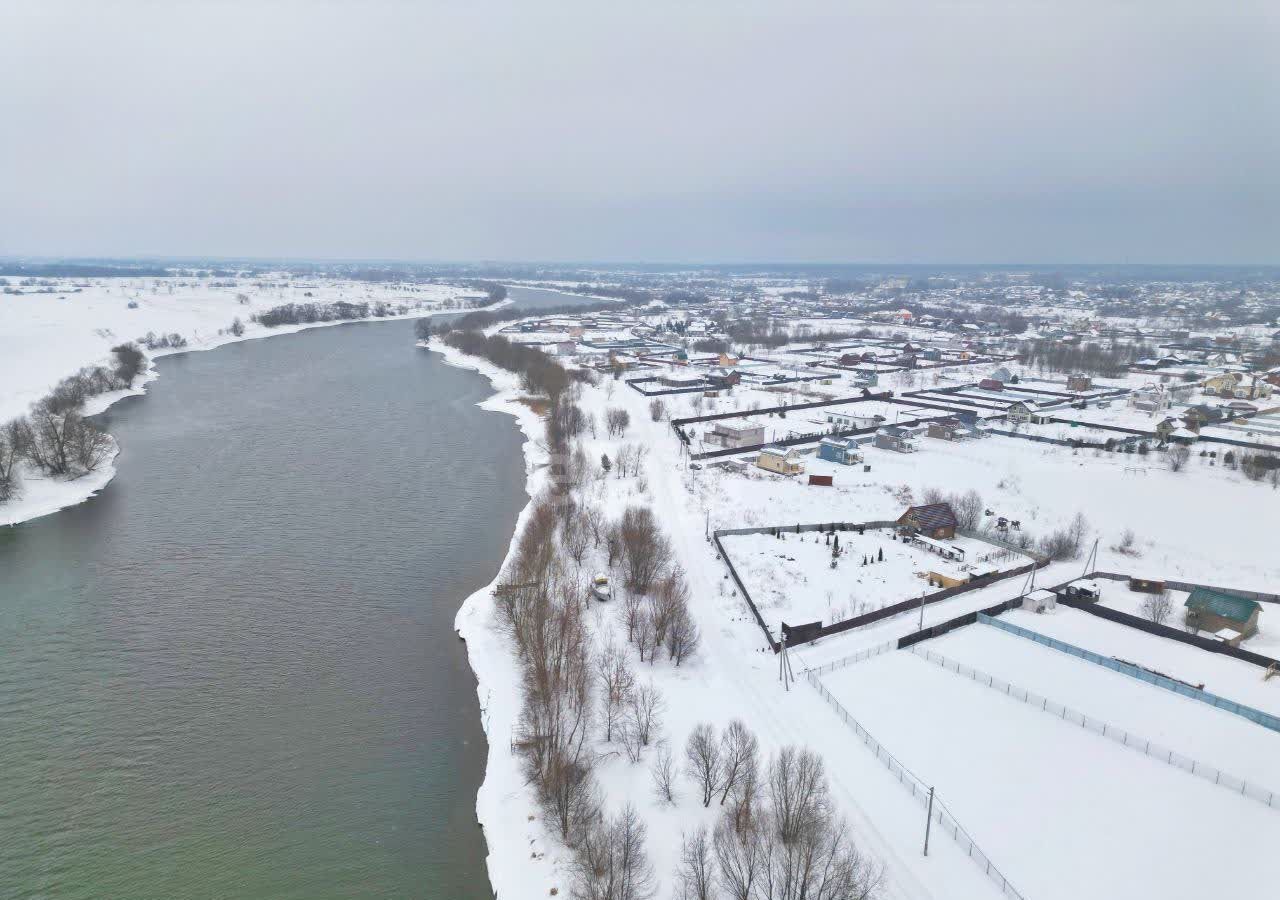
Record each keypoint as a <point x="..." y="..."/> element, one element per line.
<point x="935" y="520"/>
<point x="1230" y="617"/>
<point x="896" y="438"/>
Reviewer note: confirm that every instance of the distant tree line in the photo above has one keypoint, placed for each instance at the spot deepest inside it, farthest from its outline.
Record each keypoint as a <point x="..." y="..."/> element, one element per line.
<point x="1091" y="359"/>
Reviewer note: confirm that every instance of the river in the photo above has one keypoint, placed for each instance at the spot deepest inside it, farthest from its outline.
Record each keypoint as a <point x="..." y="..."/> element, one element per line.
<point x="234" y="673"/>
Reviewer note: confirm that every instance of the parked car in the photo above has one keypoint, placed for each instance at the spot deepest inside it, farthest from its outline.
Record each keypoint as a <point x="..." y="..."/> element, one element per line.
<point x="600" y="588"/>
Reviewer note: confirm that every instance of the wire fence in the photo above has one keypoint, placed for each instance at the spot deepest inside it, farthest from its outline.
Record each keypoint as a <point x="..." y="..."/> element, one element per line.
<point x="858" y="657"/>
<point x="908" y="779"/>
<point x="1119" y="735"/>
<point x="1256" y="716"/>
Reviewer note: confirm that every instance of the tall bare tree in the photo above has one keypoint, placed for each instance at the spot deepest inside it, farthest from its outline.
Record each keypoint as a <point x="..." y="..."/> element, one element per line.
<point x="704" y="763"/>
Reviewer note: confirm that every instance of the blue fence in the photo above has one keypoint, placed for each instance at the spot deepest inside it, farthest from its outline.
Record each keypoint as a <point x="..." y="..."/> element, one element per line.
<point x="1257" y="716"/>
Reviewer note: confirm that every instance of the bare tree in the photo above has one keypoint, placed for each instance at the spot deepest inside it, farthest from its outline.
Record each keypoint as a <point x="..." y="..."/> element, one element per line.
<point x="968" y="508"/>
<point x="740" y="857"/>
<point x="88" y="445"/>
<point x="664" y="770"/>
<point x="645" y="550"/>
<point x="683" y="635"/>
<point x="1157" y="608"/>
<point x="797" y="791"/>
<point x="643" y="720"/>
<point x="633" y="611"/>
<point x="696" y="879"/>
<point x="616" y="682"/>
<point x="703" y="762"/>
<point x="740" y="752"/>
<point x="646" y="636"/>
<point x="1176" y="457"/>
<point x="576" y="537"/>
<point x="657" y="410"/>
<point x="617" y="420"/>
<point x="611" y="862"/>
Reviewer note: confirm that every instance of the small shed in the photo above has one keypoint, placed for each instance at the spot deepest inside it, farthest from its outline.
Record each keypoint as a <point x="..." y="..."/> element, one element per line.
<point x="1083" y="589"/>
<point x="821" y="480"/>
<point x="1041" y="600"/>
<point x="1146" y="586"/>
<point x="1209" y="609"/>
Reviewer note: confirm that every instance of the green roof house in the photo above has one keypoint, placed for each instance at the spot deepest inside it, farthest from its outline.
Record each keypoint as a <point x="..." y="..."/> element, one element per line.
<point x="1230" y="617"/>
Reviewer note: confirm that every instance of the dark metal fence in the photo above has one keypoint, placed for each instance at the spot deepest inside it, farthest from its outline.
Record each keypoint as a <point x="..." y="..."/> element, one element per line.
<point x="866" y="618"/>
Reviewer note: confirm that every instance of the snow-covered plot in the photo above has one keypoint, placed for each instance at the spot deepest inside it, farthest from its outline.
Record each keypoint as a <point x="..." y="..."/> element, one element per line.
<point x="1217" y="738"/>
<point x="1064" y="812"/>
<point x="790" y="577"/>
<point x="1231" y="678"/>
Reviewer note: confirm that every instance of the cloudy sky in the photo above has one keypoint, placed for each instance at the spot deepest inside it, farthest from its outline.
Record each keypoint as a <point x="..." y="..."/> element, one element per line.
<point x="643" y="130"/>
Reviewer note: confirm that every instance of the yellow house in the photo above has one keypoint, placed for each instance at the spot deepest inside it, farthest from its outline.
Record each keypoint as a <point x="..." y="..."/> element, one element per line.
<point x="779" y="460"/>
<point x="728" y="359"/>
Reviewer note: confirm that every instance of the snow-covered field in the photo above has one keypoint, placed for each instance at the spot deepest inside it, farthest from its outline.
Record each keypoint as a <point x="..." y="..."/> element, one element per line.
<point x="790" y="577"/>
<point x="1064" y="812"/>
<point x="1221" y="739"/>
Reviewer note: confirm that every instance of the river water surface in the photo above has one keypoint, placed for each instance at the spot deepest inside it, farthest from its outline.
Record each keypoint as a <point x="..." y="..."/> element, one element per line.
<point x="234" y="673"/>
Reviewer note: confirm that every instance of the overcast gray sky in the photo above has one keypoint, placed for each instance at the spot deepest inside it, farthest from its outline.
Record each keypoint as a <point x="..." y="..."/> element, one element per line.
<point x="720" y="130"/>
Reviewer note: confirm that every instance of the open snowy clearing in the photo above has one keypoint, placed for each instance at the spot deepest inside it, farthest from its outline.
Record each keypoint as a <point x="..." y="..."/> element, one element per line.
<point x="1221" y="739"/>
<point x="1231" y="678"/>
<point x="790" y="577"/>
<point x="1064" y="812"/>
<point x="1042" y="486"/>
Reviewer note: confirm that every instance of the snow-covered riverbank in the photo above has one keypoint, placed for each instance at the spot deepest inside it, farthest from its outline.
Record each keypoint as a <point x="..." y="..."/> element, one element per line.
<point x="45" y="337"/>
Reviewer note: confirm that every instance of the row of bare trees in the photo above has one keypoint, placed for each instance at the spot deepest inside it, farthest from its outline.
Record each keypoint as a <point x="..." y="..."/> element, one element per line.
<point x="55" y="437"/>
<point x="779" y="836"/>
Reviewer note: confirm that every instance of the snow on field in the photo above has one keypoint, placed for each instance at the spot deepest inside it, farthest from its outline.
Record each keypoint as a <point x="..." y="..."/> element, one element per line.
<point x="1221" y="675"/>
<point x="1179" y="518"/>
<point x="790" y="577"/>
<point x="1221" y="739"/>
<point x="1266" y="641"/>
<point x="1064" y="812"/>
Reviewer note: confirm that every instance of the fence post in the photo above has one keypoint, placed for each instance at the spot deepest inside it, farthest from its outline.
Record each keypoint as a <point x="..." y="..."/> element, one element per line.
<point x="928" y="821"/>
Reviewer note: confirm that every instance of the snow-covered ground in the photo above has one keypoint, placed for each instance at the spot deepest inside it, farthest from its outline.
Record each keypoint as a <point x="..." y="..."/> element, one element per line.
<point x="734" y="676"/>
<point x="790" y="577"/>
<point x="1064" y="812"/>
<point x="1221" y="739"/>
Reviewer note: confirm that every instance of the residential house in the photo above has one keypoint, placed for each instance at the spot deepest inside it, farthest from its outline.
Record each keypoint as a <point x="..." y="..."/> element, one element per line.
<point x="1002" y="375"/>
<point x="934" y="520"/>
<point x="736" y="434"/>
<point x="1200" y="415"/>
<point x="1223" y="384"/>
<point x="842" y="421"/>
<point x="1230" y="617"/>
<point x="896" y="438"/>
<point x="1020" y="412"/>
<point x="845" y="451"/>
<point x="1151" y="398"/>
<point x="949" y="429"/>
<point x="780" y="460"/>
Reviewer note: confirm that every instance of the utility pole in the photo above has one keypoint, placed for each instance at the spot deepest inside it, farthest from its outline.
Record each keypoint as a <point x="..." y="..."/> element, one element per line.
<point x="927" y="822"/>
<point x="785" y="674"/>
<point x="1093" y="558"/>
